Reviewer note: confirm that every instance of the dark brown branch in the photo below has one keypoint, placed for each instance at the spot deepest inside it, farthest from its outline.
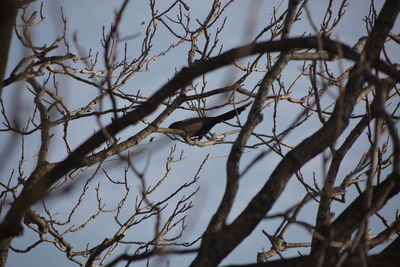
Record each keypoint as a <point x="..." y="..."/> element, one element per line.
<point x="11" y="222"/>
<point x="8" y="13"/>
<point x="222" y="242"/>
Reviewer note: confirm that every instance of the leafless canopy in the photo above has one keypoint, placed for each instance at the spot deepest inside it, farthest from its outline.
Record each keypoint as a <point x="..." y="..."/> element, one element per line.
<point x="88" y="166"/>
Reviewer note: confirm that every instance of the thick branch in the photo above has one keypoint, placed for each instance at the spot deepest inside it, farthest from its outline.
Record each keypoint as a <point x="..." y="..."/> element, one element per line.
<point x="223" y="242"/>
<point x="10" y="225"/>
<point x="8" y="13"/>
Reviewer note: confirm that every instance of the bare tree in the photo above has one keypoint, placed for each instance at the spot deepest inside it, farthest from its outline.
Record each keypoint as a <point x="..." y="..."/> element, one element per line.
<point x="97" y="154"/>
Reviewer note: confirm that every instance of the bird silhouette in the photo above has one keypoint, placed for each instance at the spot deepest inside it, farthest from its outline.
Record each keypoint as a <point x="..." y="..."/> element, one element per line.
<point x="200" y="126"/>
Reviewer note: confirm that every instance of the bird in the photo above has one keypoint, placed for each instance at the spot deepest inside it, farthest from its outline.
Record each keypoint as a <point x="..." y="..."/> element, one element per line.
<point x="198" y="127"/>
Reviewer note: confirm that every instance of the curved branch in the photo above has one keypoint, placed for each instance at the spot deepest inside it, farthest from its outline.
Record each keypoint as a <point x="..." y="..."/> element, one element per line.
<point x="222" y="242"/>
<point x="11" y="223"/>
<point x="8" y="13"/>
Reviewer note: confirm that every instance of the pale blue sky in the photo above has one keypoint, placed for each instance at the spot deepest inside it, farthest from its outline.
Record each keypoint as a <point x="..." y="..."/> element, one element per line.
<point x="86" y="18"/>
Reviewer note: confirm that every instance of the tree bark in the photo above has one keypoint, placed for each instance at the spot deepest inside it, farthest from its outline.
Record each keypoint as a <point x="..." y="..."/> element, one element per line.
<point x="8" y="13"/>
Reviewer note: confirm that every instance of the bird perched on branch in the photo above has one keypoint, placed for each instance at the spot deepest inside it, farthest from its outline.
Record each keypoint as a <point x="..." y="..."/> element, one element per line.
<point x="200" y="126"/>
